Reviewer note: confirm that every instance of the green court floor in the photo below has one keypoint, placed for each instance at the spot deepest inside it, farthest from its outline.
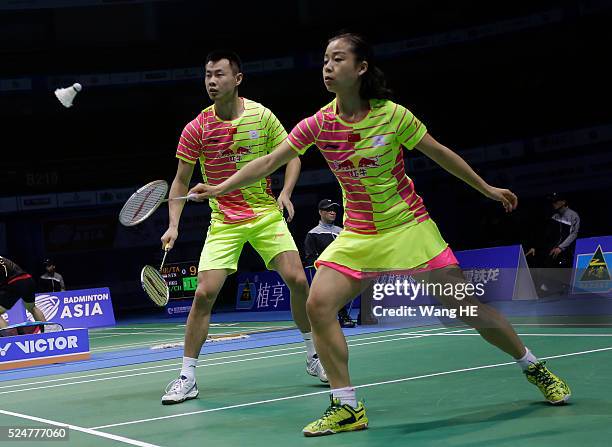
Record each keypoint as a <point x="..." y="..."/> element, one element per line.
<point x="425" y="386"/>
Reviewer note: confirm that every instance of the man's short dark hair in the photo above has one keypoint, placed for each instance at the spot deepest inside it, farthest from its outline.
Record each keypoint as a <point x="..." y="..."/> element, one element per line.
<point x="232" y="57"/>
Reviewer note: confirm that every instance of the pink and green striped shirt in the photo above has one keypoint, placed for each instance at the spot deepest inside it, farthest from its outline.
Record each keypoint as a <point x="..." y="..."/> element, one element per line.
<point x="366" y="157"/>
<point x="223" y="147"/>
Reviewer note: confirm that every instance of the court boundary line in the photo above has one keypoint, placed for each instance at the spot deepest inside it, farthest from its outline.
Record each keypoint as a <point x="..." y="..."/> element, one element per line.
<point x="301" y="351"/>
<point x="89" y="431"/>
<point x="367" y="385"/>
<point x="149" y="342"/>
<point x="209" y="362"/>
<point x="208" y="358"/>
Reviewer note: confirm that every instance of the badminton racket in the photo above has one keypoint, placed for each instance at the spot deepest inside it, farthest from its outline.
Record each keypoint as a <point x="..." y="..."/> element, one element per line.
<point x="144" y="202"/>
<point x="154" y="284"/>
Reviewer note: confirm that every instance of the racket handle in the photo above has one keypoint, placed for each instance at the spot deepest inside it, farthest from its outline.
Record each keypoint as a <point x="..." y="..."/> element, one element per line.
<point x="187" y="197"/>
<point x="166" y="250"/>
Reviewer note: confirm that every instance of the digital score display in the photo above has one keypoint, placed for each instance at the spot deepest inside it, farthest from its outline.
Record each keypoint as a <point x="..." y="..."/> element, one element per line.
<point x="182" y="279"/>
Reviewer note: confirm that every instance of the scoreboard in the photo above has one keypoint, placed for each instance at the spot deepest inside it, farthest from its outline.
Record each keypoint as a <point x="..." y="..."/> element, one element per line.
<point x="182" y="279"/>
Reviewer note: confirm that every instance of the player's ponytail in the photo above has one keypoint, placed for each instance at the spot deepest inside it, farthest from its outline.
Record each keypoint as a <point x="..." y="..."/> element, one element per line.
<point x="373" y="82"/>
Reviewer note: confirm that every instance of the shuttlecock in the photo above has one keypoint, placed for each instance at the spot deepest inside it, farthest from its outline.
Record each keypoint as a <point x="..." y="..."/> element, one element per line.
<point x="66" y="95"/>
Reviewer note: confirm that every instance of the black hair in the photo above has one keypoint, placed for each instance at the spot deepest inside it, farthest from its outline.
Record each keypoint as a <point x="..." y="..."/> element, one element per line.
<point x="373" y="82"/>
<point x="231" y="56"/>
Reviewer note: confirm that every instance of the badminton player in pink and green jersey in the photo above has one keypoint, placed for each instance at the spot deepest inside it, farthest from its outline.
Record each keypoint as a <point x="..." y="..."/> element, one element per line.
<point x="386" y="225"/>
<point x="223" y="138"/>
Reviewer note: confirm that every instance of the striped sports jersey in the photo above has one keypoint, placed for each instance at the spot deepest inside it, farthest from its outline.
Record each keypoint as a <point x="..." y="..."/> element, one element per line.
<point x="367" y="159"/>
<point x="223" y="147"/>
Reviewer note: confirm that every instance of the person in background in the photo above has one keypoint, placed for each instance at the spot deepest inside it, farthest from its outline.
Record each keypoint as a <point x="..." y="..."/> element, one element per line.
<point x="319" y="238"/>
<point x="552" y="253"/>
<point x="51" y="281"/>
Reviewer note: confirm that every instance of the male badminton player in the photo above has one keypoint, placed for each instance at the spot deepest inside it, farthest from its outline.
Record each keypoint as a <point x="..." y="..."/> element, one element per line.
<point x="386" y="225"/>
<point x="15" y="283"/>
<point x="225" y="137"/>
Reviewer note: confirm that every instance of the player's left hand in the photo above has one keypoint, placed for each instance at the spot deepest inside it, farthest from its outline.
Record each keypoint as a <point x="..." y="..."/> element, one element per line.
<point x="202" y="192"/>
<point x="284" y="202"/>
<point x="555" y="252"/>
<point x="505" y="196"/>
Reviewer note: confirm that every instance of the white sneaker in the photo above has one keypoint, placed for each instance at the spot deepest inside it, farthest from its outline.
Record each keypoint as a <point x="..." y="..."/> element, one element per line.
<point x="315" y="368"/>
<point x="180" y="390"/>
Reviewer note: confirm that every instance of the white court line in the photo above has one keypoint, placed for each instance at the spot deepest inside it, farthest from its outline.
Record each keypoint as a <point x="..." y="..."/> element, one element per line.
<point x="89" y="431"/>
<point x="367" y="385"/>
<point x="144" y="330"/>
<point x="178" y="340"/>
<point x="207" y="361"/>
<point x="210" y="358"/>
<point x="123" y="334"/>
<point x="103" y="379"/>
<point x="137" y="345"/>
<point x="530" y="335"/>
<point x="149" y="342"/>
<point x="102" y="330"/>
<point x="119" y="334"/>
<point x="562" y="324"/>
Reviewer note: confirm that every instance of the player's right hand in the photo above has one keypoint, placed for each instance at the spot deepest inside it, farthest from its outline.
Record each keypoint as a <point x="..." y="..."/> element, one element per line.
<point x="202" y="192"/>
<point x="168" y="238"/>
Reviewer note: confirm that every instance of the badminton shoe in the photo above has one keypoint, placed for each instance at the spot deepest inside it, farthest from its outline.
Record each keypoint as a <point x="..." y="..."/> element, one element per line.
<point x="315" y="368"/>
<point x="180" y="390"/>
<point x="554" y="389"/>
<point x="338" y="418"/>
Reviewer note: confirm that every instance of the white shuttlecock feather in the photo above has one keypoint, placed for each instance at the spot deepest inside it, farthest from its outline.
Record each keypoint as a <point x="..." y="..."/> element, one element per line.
<point x="66" y="95"/>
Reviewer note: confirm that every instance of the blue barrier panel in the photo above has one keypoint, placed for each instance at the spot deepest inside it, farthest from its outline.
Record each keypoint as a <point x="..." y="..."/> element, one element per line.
<point x="42" y="349"/>
<point x="262" y="292"/>
<point x="78" y="308"/>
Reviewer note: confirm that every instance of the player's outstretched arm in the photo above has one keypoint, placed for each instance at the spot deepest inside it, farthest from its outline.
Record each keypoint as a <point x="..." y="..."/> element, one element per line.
<point x="253" y="171"/>
<point x="457" y="166"/>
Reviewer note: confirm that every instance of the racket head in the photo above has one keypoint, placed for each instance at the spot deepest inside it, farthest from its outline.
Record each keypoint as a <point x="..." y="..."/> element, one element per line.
<point x="154" y="285"/>
<point x="143" y="203"/>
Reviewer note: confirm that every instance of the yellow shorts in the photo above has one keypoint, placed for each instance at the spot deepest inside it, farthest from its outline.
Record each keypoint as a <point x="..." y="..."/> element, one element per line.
<point x="268" y="234"/>
<point x="402" y="248"/>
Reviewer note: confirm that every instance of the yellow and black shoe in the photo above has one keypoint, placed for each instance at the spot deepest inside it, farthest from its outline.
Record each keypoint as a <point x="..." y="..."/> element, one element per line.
<point x="338" y="418"/>
<point x="555" y="390"/>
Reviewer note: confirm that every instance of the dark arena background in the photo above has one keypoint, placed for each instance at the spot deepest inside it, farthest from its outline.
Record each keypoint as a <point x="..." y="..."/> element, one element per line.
<point x="521" y="90"/>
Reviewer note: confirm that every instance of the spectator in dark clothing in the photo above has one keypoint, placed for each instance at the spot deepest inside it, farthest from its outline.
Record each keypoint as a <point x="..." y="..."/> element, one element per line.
<point x="51" y="281"/>
<point x="323" y="234"/>
<point x="319" y="238"/>
<point x="552" y="253"/>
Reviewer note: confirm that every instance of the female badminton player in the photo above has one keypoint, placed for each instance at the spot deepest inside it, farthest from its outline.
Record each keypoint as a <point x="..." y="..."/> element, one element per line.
<point x="386" y="225"/>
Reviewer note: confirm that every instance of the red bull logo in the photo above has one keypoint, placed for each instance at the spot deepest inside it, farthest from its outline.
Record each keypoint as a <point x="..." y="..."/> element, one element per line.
<point x="342" y="166"/>
<point x="356" y="170"/>
<point x="366" y="162"/>
<point x="243" y="150"/>
<point x="236" y="155"/>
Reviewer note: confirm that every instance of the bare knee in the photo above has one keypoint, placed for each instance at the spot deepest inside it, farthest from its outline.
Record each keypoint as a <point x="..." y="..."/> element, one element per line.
<point x="203" y="300"/>
<point x="297" y="282"/>
<point x="318" y="308"/>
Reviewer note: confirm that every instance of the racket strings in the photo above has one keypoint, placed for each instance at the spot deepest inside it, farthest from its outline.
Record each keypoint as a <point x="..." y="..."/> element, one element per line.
<point x="155" y="286"/>
<point x="143" y="202"/>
